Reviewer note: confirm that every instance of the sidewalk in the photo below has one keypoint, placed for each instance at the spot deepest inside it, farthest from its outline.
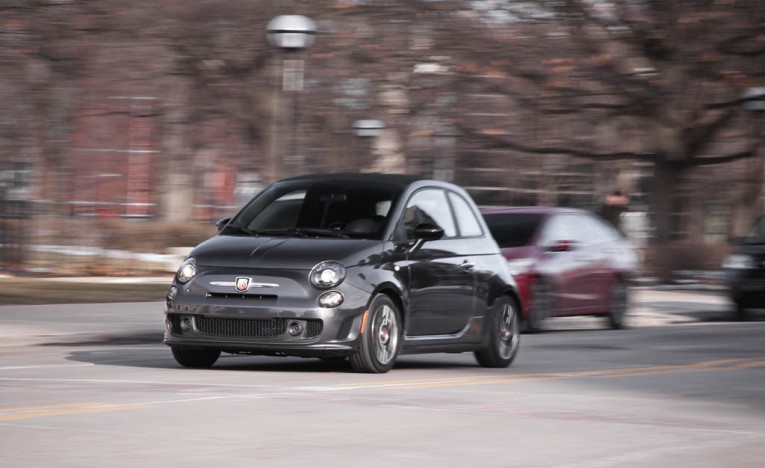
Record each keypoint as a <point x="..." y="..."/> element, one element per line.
<point x="665" y="306"/>
<point x="649" y="307"/>
<point x="116" y="279"/>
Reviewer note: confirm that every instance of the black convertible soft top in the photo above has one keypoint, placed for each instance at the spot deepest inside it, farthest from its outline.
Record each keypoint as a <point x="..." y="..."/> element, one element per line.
<point x="401" y="180"/>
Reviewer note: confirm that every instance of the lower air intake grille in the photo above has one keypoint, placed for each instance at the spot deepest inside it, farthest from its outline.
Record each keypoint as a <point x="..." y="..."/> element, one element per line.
<point x="252" y="328"/>
<point x="313" y="328"/>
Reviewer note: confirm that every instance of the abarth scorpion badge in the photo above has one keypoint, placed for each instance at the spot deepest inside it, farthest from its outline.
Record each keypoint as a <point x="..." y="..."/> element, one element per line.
<point x="242" y="284"/>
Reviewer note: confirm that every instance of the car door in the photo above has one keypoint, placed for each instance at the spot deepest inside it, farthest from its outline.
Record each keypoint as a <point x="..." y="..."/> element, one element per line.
<point x="605" y="248"/>
<point x="595" y="275"/>
<point x="567" y="262"/>
<point x="441" y="280"/>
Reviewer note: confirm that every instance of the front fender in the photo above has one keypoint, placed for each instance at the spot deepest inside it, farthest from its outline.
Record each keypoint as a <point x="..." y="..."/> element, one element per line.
<point x="498" y="282"/>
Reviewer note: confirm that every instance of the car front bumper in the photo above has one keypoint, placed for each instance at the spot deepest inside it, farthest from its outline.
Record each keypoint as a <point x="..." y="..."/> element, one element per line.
<point x="263" y="325"/>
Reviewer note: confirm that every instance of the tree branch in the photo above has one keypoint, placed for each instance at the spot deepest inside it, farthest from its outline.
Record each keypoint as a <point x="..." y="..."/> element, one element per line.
<point x="712" y="160"/>
<point x="736" y="102"/>
<point x="701" y="136"/>
<point x="494" y="141"/>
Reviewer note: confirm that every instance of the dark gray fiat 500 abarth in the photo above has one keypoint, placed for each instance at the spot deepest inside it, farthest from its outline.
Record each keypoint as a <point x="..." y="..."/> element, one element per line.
<point x="365" y="266"/>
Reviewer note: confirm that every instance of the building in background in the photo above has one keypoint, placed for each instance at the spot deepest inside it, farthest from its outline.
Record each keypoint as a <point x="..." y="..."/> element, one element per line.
<point x="179" y="112"/>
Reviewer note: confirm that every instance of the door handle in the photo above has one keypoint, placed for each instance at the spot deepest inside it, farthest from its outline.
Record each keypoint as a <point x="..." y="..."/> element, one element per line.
<point x="467" y="266"/>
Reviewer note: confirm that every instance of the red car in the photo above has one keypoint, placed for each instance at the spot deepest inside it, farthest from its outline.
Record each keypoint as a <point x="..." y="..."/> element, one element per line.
<point x="566" y="262"/>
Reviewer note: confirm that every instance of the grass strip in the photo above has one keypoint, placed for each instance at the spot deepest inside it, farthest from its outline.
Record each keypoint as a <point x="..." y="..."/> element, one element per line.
<point x="31" y="291"/>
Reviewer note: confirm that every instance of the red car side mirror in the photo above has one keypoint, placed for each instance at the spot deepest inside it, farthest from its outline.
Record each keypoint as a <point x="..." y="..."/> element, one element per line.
<point x="562" y="246"/>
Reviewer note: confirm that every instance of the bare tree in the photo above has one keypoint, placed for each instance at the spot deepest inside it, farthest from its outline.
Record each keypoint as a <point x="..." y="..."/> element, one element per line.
<point x="665" y="78"/>
<point x="521" y="81"/>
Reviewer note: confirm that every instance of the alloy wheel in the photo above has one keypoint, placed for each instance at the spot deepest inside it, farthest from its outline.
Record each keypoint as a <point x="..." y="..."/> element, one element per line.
<point x="385" y="329"/>
<point x="509" y="333"/>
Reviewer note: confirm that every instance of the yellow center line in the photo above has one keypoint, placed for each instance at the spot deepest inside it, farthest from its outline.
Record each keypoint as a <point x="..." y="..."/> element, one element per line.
<point x="488" y="377"/>
<point x="719" y="362"/>
<point x="705" y="366"/>
<point x="585" y="373"/>
<point x="44" y="407"/>
<point x="38" y="411"/>
<point x="492" y="377"/>
<point x="750" y="365"/>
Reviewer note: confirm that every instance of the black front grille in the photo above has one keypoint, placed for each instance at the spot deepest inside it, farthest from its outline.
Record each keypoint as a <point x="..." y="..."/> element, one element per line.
<point x="257" y="297"/>
<point x="252" y="328"/>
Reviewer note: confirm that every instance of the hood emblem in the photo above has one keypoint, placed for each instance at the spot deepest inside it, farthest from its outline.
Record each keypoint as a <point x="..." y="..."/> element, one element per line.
<point x="242" y="284"/>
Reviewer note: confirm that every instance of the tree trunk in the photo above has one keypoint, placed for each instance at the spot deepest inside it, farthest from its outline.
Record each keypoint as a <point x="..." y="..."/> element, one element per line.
<point x="662" y="202"/>
<point x="174" y="177"/>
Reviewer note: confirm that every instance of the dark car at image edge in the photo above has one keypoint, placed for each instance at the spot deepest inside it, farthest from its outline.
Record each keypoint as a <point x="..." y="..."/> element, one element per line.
<point x="744" y="271"/>
<point x="363" y="266"/>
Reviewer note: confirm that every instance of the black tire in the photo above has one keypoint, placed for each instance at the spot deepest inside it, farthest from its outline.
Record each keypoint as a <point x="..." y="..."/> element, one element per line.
<point x="381" y="338"/>
<point x="618" y="304"/>
<point x="196" y="358"/>
<point x="504" y="335"/>
<point x="541" y="306"/>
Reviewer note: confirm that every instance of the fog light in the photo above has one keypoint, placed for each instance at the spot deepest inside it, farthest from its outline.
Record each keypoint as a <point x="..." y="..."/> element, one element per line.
<point x="331" y="299"/>
<point x="186" y="324"/>
<point x="295" y="328"/>
<point x="172" y="293"/>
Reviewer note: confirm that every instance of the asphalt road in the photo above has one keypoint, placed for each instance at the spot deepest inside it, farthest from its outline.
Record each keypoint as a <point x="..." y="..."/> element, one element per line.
<point x="90" y="385"/>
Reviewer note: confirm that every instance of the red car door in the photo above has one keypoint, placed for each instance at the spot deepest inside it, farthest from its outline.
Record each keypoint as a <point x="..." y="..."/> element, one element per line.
<point x="571" y="263"/>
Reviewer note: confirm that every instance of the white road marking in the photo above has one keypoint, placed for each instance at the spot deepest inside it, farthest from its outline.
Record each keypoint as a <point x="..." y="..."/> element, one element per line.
<point x="41" y="366"/>
<point x="136" y="382"/>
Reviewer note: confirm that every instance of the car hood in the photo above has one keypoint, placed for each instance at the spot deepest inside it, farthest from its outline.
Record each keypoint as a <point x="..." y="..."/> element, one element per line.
<point x="515" y="253"/>
<point x="283" y="252"/>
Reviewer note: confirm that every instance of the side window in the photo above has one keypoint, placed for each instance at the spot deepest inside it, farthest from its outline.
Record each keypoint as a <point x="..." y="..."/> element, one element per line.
<point x="466" y="220"/>
<point x="566" y="227"/>
<point x="580" y="229"/>
<point x="553" y="231"/>
<point x="429" y="206"/>
<point x="603" y="231"/>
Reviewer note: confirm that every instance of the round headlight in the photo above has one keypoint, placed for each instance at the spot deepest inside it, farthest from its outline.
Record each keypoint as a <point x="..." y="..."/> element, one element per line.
<point x="187" y="270"/>
<point x="327" y="275"/>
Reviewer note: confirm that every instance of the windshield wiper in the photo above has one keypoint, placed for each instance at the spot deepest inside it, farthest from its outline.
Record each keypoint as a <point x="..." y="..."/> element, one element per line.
<point x="302" y="232"/>
<point x="323" y="232"/>
<point x="279" y="232"/>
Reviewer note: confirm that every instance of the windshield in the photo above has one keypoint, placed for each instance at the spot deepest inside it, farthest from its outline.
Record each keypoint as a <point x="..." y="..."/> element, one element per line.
<point x="757" y="236"/>
<point x="317" y="209"/>
<point x="513" y="229"/>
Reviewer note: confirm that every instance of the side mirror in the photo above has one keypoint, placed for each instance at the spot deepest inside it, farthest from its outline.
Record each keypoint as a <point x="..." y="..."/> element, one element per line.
<point x="424" y="232"/>
<point x="221" y="223"/>
<point x="562" y="246"/>
<point x="428" y="232"/>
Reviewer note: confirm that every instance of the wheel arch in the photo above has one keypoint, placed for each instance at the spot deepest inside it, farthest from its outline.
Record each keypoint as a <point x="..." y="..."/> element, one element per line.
<point x="500" y="289"/>
<point x="394" y="293"/>
<point x="512" y="294"/>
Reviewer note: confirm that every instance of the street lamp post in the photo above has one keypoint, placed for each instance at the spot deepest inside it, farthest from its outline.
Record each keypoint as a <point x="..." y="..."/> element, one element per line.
<point x="366" y="129"/>
<point x="754" y="101"/>
<point x="291" y="34"/>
